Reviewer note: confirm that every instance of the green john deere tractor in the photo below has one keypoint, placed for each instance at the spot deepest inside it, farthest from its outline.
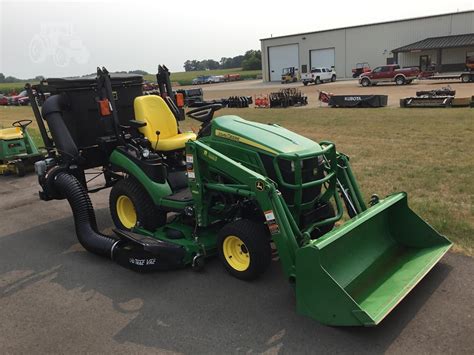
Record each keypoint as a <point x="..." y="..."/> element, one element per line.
<point x="238" y="189"/>
<point x="18" y="152"/>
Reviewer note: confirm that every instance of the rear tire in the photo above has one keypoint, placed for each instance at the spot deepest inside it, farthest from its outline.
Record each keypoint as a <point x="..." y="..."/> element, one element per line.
<point x="317" y="81"/>
<point x="130" y="205"/>
<point x="244" y="248"/>
<point x="305" y="83"/>
<point x="365" y="82"/>
<point x="333" y="78"/>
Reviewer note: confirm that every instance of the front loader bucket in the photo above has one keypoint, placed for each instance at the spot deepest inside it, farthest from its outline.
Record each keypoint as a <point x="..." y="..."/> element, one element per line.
<point x="357" y="273"/>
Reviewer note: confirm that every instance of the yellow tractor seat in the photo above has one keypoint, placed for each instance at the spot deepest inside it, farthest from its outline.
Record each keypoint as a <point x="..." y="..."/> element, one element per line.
<point x="153" y="110"/>
<point x="11" y="133"/>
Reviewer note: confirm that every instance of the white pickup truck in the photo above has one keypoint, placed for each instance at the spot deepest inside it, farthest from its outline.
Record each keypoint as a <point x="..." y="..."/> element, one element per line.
<point x="318" y="76"/>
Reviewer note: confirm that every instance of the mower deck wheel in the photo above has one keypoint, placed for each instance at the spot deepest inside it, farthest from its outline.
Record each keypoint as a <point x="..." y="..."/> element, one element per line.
<point x="244" y="248"/>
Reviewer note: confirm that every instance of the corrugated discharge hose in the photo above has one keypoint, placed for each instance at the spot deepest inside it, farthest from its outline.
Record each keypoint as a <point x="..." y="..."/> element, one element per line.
<point x="84" y="216"/>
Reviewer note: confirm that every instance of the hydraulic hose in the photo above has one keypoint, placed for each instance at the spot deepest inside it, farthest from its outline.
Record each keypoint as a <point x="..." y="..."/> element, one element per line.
<point x="84" y="216"/>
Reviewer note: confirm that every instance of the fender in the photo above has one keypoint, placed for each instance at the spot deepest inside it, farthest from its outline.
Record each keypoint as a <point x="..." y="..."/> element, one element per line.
<point x="156" y="190"/>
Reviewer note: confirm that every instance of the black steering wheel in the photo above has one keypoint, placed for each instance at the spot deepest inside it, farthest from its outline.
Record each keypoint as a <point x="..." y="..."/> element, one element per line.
<point x="22" y="123"/>
<point x="204" y="113"/>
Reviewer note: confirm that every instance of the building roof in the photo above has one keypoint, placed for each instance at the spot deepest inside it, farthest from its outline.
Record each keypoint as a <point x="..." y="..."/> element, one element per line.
<point x="456" y="41"/>
<point x="370" y="24"/>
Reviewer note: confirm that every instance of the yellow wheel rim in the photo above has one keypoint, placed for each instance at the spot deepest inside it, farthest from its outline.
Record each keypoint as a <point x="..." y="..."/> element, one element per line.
<point x="236" y="253"/>
<point x="126" y="211"/>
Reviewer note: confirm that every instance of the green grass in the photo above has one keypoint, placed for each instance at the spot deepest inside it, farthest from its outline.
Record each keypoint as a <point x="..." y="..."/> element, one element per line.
<point x="425" y="152"/>
<point x="185" y="78"/>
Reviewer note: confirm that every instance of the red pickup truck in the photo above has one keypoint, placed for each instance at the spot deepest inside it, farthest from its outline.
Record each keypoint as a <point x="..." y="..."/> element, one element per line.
<point x="389" y="73"/>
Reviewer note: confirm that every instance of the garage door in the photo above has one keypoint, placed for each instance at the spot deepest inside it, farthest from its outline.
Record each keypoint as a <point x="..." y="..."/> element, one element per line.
<point x="322" y="58"/>
<point x="280" y="57"/>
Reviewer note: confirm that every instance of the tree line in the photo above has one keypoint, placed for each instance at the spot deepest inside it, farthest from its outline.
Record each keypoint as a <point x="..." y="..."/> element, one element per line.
<point x="251" y="60"/>
<point x="12" y="79"/>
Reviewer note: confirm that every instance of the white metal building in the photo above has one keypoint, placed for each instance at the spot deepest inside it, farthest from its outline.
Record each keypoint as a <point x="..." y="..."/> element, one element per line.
<point x="423" y="41"/>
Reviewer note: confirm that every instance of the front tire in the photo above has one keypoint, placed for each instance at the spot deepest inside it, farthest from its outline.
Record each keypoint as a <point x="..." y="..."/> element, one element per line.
<point x="365" y="82"/>
<point x="244" y="248"/>
<point x="400" y="80"/>
<point x="333" y="78"/>
<point x="130" y="205"/>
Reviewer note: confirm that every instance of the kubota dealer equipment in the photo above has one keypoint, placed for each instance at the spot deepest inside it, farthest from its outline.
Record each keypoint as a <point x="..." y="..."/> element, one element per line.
<point x="233" y="190"/>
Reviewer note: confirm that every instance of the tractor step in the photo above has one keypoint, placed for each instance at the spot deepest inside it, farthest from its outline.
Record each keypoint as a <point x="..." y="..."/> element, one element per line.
<point x="183" y="195"/>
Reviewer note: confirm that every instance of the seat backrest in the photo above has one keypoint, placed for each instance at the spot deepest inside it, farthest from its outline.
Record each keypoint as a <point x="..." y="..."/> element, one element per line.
<point x="153" y="110"/>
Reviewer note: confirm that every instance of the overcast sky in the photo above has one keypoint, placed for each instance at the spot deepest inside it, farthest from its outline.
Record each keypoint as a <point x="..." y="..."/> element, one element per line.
<point x="65" y="38"/>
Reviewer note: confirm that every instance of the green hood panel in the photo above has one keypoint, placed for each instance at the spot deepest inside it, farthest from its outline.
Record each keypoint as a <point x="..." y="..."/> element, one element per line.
<point x="268" y="137"/>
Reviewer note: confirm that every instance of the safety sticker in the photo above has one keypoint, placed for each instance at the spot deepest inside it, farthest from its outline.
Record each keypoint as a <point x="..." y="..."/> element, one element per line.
<point x="191" y="175"/>
<point x="189" y="158"/>
<point x="271" y="222"/>
<point x="269" y="215"/>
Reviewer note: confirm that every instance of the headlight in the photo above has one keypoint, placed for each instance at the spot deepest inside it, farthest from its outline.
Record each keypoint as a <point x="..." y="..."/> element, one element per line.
<point x="145" y="153"/>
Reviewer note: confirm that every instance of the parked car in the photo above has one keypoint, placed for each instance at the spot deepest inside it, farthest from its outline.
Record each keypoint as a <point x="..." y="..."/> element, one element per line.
<point x="318" y="76"/>
<point x="20" y="99"/>
<point x="231" y="77"/>
<point x="389" y="73"/>
<point x="360" y="68"/>
<point x="203" y="79"/>
<point x="3" y="100"/>
<point x="217" y="79"/>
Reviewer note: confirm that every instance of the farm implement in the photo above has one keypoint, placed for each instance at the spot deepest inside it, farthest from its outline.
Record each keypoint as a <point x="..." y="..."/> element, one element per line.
<point x="18" y="152"/>
<point x="237" y="189"/>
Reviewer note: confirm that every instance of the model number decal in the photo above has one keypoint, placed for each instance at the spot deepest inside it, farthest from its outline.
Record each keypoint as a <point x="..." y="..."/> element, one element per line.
<point x="142" y="262"/>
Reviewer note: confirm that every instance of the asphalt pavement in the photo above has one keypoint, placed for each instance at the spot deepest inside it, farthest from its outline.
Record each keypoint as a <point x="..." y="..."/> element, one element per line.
<point x="55" y="297"/>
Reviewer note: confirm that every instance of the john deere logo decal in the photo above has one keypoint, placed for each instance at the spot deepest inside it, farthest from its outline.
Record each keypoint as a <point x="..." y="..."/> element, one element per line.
<point x="259" y="185"/>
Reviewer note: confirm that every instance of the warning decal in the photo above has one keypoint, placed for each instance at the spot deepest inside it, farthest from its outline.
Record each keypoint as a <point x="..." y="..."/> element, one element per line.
<point x="271" y="222"/>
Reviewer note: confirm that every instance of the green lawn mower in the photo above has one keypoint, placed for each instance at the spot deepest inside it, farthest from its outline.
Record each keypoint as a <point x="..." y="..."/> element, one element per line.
<point x="18" y="152"/>
<point x="238" y="189"/>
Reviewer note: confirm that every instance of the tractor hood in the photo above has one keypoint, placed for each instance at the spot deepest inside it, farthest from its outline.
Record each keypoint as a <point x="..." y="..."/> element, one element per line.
<point x="271" y="138"/>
